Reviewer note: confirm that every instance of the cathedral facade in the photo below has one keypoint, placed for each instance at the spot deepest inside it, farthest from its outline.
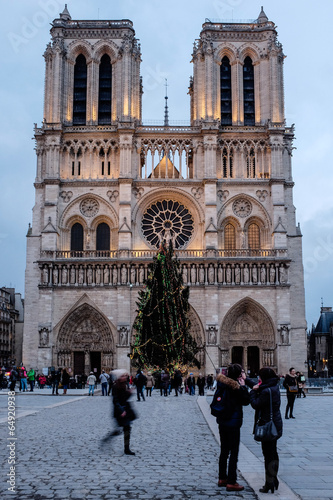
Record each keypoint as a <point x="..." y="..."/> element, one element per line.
<point x="108" y="189"/>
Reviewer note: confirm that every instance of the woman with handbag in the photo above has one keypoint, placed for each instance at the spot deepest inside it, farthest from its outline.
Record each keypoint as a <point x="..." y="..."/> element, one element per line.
<point x="266" y="401"/>
<point x="290" y="383"/>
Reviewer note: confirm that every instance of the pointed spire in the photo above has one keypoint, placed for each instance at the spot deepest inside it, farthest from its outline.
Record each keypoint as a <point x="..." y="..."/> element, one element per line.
<point x="262" y="16"/>
<point x="166" y="110"/>
<point x="65" y="15"/>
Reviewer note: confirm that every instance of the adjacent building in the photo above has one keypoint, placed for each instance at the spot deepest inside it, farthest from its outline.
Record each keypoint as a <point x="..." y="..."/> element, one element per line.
<point x="109" y="188"/>
<point x="320" y="354"/>
<point x="11" y="327"/>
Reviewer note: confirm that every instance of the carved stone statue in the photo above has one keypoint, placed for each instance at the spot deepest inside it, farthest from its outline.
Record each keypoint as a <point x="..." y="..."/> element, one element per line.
<point x="43" y="337"/>
<point x="220" y="274"/>
<point x="133" y="275"/>
<point x="272" y="275"/>
<point x="211" y="335"/>
<point x="114" y="275"/>
<point x="185" y="275"/>
<point x="193" y="274"/>
<point x="98" y="275"/>
<point x="283" y="277"/>
<point x="237" y="275"/>
<point x="89" y="276"/>
<point x="55" y="276"/>
<point x="228" y="275"/>
<point x="81" y="275"/>
<point x="263" y="274"/>
<point x="45" y="275"/>
<point x="246" y="275"/>
<point x="123" y="275"/>
<point x="201" y="274"/>
<point x="72" y="276"/>
<point x="64" y="275"/>
<point x="211" y="274"/>
<point x="284" y="333"/>
<point x="123" y="335"/>
<point x="254" y="275"/>
<point x="141" y="275"/>
<point x="106" y="273"/>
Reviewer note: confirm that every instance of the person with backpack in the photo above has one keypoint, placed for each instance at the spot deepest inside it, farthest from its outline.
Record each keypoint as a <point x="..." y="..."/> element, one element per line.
<point x="227" y="406"/>
<point x="140" y="381"/>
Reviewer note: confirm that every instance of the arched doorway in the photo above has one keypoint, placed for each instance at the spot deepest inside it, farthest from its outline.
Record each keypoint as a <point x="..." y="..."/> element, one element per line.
<point x="85" y="342"/>
<point x="248" y="337"/>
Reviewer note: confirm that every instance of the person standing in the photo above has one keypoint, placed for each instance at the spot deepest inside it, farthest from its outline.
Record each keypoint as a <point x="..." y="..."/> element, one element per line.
<point x="140" y="380"/>
<point x="13" y="378"/>
<point x="24" y="383"/>
<point x="123" y="411"/>
<point x="234" y="395"/>
<point x="91" y="380"/>
<point x="177" y="379"/>
<point x="191" y="385"/>
<point x="301" y="384"/>
<point x="31" y="379"/>
<point x="149" y="384"/>
<point x="262" y="393"/>
<point x="290" y="384"/>
<point x="56" y="376"/>
<point x="201" y="384"/>
<point x="103" y="378"/>
<point x="65" y="380"/>
<point x="165" y="379"/>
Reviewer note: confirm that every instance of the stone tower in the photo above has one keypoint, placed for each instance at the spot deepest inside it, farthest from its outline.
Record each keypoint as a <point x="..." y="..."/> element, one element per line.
<point x="109" y="188"/>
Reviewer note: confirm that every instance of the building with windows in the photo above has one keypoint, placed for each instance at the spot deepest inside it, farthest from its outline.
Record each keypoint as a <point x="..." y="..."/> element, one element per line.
<point x="109" y="188"/>
<point x="11" y="327"/>
<point x="320" y="348"/>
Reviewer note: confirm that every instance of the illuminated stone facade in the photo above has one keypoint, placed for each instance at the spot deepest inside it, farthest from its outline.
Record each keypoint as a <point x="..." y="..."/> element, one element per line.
<point x="108" y="188"/>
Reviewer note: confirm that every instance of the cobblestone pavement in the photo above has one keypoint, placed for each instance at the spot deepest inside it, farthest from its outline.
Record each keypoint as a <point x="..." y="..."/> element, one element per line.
<point x="59" y="456"/>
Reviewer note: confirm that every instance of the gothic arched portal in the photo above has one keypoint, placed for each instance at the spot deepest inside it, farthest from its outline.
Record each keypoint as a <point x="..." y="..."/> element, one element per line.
<point x="85" y="342"/>
<point x="247" y="337"/>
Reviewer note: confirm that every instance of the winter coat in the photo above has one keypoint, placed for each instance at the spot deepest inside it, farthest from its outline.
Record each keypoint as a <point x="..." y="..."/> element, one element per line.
<point x="140" y="380"/>
<point x="91" y="380"/>
<point x="121" y="396"/>
<point x="31" y="375"/>
<point x="201" y="382"/>
<point x="65" y="378"/>
<point x="260" y="403"/>
<point x="289" y="381"/>
<point x="235" y="396"/>
<point x="191" y="382"/>
<point x="165" y="380"/>
<point x="150" y="381"/>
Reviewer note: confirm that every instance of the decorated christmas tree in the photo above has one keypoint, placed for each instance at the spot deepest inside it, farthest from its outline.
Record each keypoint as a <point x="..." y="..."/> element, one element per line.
<point x="162" y="325"/>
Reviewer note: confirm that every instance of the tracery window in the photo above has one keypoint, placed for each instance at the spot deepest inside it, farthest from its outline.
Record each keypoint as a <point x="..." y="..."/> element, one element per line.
<point x="229" y="237"/>
<point x="227" y="163"/>
<point x="254" y="236"/>
<point x="104" y="91"/>
<point x="80" y="91"/>
<point x="169" y="220"/>
<point x="225" y="86"/>
<point x="77" y="237"/>
<point x="251" y="164"/>
<point x="248" y="86"/>
<point x="103" y="237"/>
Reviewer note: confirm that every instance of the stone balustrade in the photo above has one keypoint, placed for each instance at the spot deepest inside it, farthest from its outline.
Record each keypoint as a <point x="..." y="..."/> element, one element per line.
<point x="262" y="272"/>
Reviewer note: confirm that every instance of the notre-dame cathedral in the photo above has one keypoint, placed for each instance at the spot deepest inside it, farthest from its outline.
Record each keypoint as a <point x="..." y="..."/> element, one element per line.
<point x="109" y="189"/>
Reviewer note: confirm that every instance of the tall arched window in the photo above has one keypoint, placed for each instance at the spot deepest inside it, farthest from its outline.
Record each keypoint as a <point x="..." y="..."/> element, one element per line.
<point x="104" y="91"/>
<point x="80" y="91"/>
<point x="225" y="73"/>
<point x="103" y="237"/>
<point x="229" y="237"/>
<point x="248" y="86"/>
<point x="77" y="237"/>
<point x="227" y="163"/>
<point x="254" y="236"/>
<point x="251" y="164"/>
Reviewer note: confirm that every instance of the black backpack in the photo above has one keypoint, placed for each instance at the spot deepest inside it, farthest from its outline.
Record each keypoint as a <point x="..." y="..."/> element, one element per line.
<point x="220" y="406"/>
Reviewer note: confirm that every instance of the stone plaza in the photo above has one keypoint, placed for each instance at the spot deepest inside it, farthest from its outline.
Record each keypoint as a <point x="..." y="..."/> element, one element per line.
<point x="59" y="453"/>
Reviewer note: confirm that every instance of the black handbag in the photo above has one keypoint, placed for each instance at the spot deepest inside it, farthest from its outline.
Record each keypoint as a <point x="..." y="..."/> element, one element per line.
<point x="267" y="431"/>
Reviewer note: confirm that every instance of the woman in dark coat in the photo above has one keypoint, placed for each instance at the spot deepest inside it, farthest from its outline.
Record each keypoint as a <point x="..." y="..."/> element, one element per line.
<point x="123" y="411"/>
<point x="232" y="391"/>
<point x="290" y="384"/>
<point x="260" y="401"/>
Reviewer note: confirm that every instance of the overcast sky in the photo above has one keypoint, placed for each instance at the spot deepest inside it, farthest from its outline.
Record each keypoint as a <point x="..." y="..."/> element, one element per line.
<point x="167" y="31"/>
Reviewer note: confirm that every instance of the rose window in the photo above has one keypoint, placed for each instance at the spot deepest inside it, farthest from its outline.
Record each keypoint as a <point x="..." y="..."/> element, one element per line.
<point x="167" y="220"/>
